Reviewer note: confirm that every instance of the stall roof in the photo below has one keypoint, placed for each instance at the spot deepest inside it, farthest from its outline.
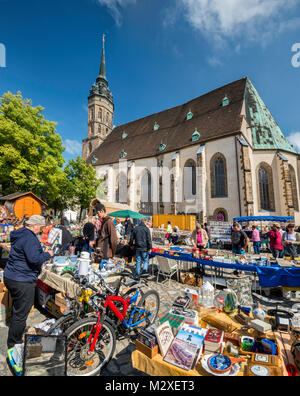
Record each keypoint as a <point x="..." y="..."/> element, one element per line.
<point x="14" y="196"/>
<point x="278" y="219"/>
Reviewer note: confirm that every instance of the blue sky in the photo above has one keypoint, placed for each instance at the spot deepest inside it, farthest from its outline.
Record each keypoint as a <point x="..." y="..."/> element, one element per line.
<point x="159" y="54"/>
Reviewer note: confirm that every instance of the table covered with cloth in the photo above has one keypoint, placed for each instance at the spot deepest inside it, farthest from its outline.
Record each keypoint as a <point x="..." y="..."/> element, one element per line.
<point x="157" y="367"/>
<point x="273" y="276"/>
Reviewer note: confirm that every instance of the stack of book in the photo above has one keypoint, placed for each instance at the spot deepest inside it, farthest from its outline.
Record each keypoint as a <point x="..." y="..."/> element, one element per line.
<point x="213" y="341"/>
<point x="182" y="302"/>
<point x="190" y="316"/>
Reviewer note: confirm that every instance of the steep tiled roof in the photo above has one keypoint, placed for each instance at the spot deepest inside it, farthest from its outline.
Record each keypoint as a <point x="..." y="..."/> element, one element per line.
<point x="210" y="118"/>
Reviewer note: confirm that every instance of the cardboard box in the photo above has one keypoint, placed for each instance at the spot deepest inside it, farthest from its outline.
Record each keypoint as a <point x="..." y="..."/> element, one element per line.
<point x="60" y="300"/>
<point x="149" y="352"/>
<point x="34" y="351"/>
<point x="57" y="311"/>
<point x="5" y="307"/>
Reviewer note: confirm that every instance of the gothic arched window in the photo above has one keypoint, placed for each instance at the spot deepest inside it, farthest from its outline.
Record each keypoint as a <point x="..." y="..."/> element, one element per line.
<point x="218" y="170"/>
<point x="121" y="188"/>
<point x="265" y="186"/>
<point x="146" y="187"/>
<point x="294" y="188"/>
<point x="190" y="182"/>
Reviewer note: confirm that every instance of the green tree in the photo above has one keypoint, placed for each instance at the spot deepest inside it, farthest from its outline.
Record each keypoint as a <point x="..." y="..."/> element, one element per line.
<point x="83" y="183"/>
<point x="30" y="150"/>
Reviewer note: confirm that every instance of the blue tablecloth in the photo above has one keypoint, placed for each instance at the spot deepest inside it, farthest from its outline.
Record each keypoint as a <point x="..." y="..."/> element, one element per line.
<point x="273" y="276"/>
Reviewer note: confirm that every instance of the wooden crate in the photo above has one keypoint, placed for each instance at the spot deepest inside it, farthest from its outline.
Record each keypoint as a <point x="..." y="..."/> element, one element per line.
<point x="150" y="353"/>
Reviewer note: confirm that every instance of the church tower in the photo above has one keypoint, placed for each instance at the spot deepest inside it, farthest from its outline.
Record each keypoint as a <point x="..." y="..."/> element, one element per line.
<point x="100" y="111"/>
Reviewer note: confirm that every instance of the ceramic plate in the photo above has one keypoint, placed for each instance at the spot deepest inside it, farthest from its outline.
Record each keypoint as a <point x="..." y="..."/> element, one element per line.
<point x="232" y="373"/>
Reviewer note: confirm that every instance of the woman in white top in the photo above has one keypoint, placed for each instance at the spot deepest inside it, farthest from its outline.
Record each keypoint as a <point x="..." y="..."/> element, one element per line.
<point x="291" y="241"/>
<point x="119" y="229"/>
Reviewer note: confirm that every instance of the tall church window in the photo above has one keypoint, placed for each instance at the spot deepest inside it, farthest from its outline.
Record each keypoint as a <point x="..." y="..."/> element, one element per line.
<point x="218" y="170"/>
<point x="100" y="114"/>
<point x="190" y="184"/>
<point x="146" y="187"/>
<point x="92" y="113"/>
<point x="121" y="188"/>
<point x="266" y="189"/>
<point x="294" y="188"/>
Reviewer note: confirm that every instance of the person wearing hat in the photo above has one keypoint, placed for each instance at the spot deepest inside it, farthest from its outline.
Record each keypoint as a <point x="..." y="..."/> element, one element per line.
<point x="275" y="241"/>
<point x="291" y="241"/>
<point x="21" y="273"/>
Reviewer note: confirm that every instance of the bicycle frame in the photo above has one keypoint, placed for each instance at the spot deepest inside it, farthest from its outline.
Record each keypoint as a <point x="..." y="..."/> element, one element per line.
<point x="110" y="305"/>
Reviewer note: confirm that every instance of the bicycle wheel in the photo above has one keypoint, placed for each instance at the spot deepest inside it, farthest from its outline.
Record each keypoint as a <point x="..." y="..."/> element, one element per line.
<point x="150" y="302"/>
<point x="62" y="324"/>
<point x="81" y="362"/>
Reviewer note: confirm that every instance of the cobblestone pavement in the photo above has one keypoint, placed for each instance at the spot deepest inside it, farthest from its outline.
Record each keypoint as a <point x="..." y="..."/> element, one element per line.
<point x="121" y="365"/>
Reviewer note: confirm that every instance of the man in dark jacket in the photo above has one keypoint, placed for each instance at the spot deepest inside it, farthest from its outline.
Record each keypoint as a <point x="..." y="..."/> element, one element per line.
<point x="107" y="241"/>
<point x="239" y="239"/>
<point x="141" y="240"/>
<point x="21" y="273"/>
<point x="88" y="234"/>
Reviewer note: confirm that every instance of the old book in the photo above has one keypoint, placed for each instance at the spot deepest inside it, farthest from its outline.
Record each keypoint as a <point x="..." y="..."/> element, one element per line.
<point x="213" y="340"/>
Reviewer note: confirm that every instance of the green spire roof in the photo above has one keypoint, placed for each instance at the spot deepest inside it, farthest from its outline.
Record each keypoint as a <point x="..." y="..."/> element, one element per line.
<point x="266" y="133"/>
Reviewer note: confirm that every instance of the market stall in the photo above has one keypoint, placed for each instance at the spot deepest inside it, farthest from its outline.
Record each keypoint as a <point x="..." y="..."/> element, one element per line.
<point x="270" y="275"/>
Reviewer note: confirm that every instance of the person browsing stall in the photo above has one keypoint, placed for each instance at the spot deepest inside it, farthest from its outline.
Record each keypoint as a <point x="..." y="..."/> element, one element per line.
<point x="199" y="237"/>
<point x="88" y="232"/>
<point x="107" y="241"/>
<point x="256" y="239"/>
<point x="291" y="241"/>
<point x="142" y="243"/>
<point x="21" y="274"/>
<point x="276" y="242"/>
<point x="239" y="239"/>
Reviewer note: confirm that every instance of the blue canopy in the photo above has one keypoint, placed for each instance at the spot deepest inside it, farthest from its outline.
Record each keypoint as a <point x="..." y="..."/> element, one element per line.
<point x="275" y="219"/>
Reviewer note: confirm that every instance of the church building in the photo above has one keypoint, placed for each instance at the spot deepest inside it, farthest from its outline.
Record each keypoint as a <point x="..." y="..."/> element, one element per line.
<point x="219" y="156"/>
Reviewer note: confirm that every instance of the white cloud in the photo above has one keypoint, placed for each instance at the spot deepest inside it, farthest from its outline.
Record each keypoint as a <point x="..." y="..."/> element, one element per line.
<point x="115" y="7"/>
<point x="225" y="20"/>
<point x="294" y="138"/>
<point x="73" y="147"/>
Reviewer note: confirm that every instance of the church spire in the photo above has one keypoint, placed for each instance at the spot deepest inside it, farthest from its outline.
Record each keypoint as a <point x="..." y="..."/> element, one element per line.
<point x="102" y="73"/>
<point x="101" y="86"/>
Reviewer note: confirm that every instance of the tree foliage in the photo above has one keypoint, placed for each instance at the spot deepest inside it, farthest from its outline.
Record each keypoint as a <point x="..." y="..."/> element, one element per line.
<point x="30" y="149"/>
<point x="83" y="183"/>
<point x="31" y="157"/>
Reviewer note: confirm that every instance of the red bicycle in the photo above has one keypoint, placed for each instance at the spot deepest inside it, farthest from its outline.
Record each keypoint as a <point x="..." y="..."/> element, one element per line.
<point x="92" y="341"/>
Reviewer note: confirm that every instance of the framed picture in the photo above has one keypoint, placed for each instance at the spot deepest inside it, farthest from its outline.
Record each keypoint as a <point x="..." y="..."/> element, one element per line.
<point x="165" y="337"/>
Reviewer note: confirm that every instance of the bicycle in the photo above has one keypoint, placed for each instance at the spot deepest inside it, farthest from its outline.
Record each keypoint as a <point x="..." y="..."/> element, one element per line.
<point x="78" y="307"/>
<point x="91" y="342"/>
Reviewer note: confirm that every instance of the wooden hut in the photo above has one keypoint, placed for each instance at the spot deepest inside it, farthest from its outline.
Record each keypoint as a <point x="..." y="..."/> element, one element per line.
<point x="23" y="204"/>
